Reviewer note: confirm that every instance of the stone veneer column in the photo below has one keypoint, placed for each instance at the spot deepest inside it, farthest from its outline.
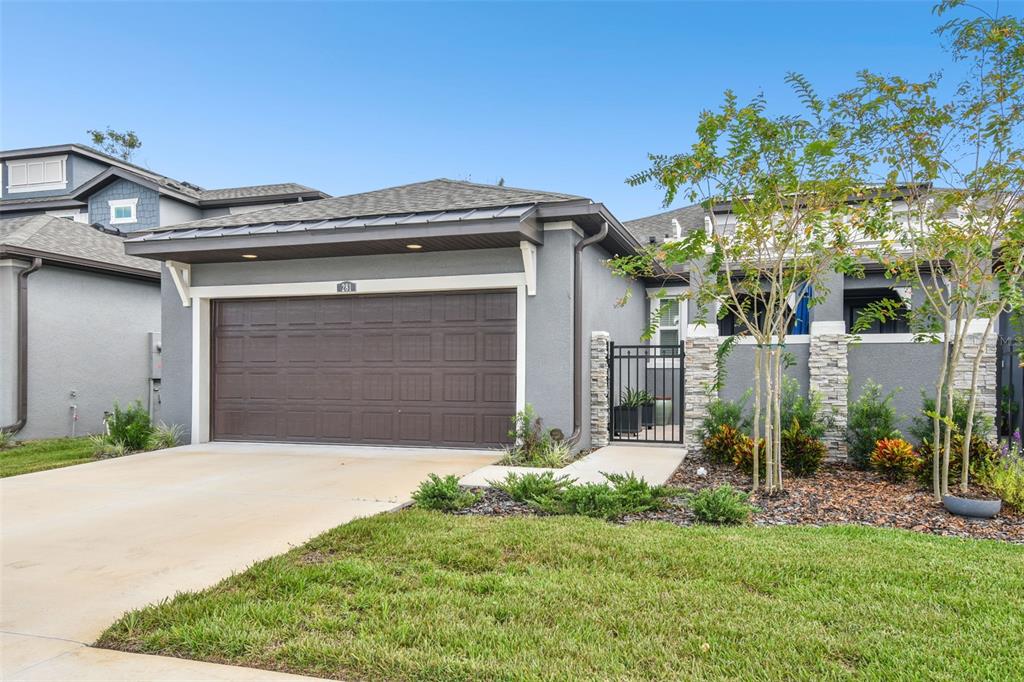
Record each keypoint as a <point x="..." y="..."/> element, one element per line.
<point x="829" y="378"/>
<point x="599" y="389"/>
<point x="986" y="388"/>
<point x="700" y="370"/>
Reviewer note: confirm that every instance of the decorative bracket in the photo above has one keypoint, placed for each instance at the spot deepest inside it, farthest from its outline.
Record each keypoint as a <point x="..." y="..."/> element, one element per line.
<point x="181" y="275"/>
<point x="529" y="266"/>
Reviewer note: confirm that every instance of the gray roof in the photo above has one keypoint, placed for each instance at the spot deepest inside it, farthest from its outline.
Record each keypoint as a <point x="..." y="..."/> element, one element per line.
<point x="420" y="197"/>
<point x="660" y="225"/>
<point x="254" y="191"/>
<point x="64" y="239"/>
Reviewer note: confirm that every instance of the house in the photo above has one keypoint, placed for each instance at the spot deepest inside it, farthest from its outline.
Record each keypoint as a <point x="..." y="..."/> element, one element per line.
<point x="80" y="183"/>
<point x="81" y="320"/>
<point x="428" y="314"/>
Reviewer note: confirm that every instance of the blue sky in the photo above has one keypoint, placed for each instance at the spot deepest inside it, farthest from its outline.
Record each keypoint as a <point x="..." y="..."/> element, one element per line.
<point x="351" y="97"/>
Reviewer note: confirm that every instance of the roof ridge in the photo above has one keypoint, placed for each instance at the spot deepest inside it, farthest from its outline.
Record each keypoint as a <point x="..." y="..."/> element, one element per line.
<point x="507" y="187"/>
<point x="32" y="227"/>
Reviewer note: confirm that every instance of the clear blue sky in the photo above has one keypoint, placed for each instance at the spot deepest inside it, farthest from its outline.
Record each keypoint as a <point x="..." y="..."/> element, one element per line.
<point x="352" y="97"/>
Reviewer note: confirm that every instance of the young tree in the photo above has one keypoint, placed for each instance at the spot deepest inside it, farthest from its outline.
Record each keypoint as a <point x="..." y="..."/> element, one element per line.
<point x="787" y="181"/>
<point x="963" y="248"/>
<point x="122" y="145"/>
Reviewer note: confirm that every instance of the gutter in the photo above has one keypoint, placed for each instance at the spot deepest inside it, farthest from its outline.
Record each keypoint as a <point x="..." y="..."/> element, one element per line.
<point x="22" y="416"/>
<point x="577" y="332"/>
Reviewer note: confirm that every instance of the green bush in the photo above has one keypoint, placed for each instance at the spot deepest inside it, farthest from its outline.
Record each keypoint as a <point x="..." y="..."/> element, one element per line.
<point x="921" y="425"/>
<point x="806" y="410"/>
<point x="1005" y="478"/>
<point x="725" y="413"/>
<point x="443" y="494"/>
<point x="613" y="499"/>
<point x="6" y="439"/>
<point x="723" y="505"/>
<point x="895" y="459"/>
<point x="533" y="445"/>
<point x="802" y="453"/>
<point x="871" y="418"/>
<point x="531" y="487"/>
<point x="165" y="436"/>
<point x="104" y="446"/>
<point x="130" y="426"/>
<point x="982" y="454"/>
<point x="721" y="447"/>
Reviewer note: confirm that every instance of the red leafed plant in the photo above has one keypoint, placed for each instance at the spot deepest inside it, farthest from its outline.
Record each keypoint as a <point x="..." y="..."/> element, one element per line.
<point x="895" y="459"/>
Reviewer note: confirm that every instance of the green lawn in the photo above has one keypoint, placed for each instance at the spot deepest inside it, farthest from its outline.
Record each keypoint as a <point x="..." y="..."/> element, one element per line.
<point x="38" y="455"/>
<point x="422" y="596"/>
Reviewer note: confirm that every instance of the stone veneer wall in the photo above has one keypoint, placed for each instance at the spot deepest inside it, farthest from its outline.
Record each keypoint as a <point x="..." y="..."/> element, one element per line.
<point x="599" y="407"/>
<point x="987" y="373"/>
<point x="829" y="378"/>
<point x="700" y="372"/>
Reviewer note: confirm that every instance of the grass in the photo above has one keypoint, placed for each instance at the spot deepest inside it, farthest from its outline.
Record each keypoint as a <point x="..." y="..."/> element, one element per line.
<point x="419" y="595"/>
<point x="39" y="455"/>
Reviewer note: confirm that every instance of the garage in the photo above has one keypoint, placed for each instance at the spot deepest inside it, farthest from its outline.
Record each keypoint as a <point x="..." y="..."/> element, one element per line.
<point x="405" y="369"/>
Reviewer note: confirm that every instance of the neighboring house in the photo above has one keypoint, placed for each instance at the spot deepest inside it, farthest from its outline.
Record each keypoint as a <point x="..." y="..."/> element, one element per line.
<point x="79" y="326"/>
<point x="77" y="182"/>
<point x="70" y="206"/>
<point x="427" y="314"/>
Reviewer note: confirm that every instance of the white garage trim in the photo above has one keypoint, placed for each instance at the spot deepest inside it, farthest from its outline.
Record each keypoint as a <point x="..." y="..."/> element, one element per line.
<point x="201" y="322"/>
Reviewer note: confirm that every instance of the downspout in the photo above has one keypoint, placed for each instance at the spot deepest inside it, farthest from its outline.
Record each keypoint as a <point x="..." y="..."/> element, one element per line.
<point x="23" y="347"/>
<point x="577" y="333"/>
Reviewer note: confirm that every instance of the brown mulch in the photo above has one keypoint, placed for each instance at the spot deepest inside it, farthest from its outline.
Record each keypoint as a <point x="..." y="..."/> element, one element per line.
<point x="837" y="494"/>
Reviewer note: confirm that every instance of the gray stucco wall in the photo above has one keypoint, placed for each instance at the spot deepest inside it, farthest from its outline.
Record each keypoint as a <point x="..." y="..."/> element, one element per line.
<point x="147" y="211"/>
<point x="175" y="396"/>
<point x="909" y="367"/>
<point x="173" y="212"/>
<point x="740" y="370"/>
<point x="87" y="333"/>
<point x="9" y="270"/>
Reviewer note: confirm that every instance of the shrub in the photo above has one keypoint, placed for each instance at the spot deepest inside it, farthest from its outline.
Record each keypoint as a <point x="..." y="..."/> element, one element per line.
<point x="722" y="446"/>
<point x="104" y="447"/>
<point x="724" y="505"/>
<point x="982" y="454"/>
<point x="802" y="453"/>
<point x="617" y="496"/>
<point x="165" y="436"/>
<point x="921" y="425"/>
<point x="534" y="446"/>
<point x="725" y="413"/>
<point x="1005" y="478"/>
<point x="130" y="426"/>
<point x="6" y="439"/>
<point x="744" y="457"/>
<point x="530" y="487"/>
<point x="871" y="418"/>
<point x="443" y="494"/>
<point x="806" y="410"/>
<point x="895" y="459"/>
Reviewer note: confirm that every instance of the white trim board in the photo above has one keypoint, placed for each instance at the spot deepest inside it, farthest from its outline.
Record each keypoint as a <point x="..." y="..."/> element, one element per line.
<point x="202" y="297"/>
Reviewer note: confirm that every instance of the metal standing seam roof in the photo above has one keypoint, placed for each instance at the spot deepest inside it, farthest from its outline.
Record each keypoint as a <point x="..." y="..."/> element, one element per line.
<point x="516" y="212"/>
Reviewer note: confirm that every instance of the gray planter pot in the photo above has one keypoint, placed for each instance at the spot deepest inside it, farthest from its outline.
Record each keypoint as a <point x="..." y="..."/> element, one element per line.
<point x="971" y="508"/>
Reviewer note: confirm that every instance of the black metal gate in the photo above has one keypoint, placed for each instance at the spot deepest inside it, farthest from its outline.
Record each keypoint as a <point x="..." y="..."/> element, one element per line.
<point x="645" y="385"/>
<point x="1009" y="386"/>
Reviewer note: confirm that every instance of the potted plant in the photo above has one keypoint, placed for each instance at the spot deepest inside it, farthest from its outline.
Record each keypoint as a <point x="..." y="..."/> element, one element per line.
<point x="646" y="408"/>
<point x="626" y="415"/>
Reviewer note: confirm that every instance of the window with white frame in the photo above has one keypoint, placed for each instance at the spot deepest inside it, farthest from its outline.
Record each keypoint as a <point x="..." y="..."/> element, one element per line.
<point x="123" y="210"/>
<point x="671" y="319"/>
<point x="37" y="175"/>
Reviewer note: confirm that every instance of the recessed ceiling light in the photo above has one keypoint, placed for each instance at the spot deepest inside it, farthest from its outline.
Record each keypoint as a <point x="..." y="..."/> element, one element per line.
<point x="249" y="255"/>
<point x="414" y="246"/>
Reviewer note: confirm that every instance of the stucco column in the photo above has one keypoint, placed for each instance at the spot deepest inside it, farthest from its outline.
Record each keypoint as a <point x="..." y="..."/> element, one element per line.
<point x="987" y="371"/>
<point x="599" y="398"/>
<point x="829" y="378"/>
<point x="9" y="270"/>
<point x="699" y="362"/>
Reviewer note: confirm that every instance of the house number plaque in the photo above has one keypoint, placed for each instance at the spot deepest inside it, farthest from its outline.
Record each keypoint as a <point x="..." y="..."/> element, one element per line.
<point x="346" y="287"/>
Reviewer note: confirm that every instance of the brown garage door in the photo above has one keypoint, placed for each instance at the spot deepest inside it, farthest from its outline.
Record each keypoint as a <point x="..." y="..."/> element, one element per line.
<point x="411" y="369"/>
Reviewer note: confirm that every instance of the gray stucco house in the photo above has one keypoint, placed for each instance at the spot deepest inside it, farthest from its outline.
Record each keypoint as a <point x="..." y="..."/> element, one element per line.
<point x="427" y="314"/>
<point x="80" y="319"/>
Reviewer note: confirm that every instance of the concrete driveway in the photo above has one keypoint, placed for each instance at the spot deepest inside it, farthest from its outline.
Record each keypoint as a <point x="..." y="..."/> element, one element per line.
<point x="82" y="545"/>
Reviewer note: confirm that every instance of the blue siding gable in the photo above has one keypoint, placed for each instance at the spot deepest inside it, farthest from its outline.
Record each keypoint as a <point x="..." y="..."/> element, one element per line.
<point x="147" y="211"/>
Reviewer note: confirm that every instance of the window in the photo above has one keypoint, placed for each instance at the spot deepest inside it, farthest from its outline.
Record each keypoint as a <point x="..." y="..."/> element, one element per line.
<point x="74" y="214"/>
<point x="671" y="320"/>
<point x="37" y="175"/>
<point x="857" y="301"/>
<point x="729" y="325"/>
<point x="122" y="210"/>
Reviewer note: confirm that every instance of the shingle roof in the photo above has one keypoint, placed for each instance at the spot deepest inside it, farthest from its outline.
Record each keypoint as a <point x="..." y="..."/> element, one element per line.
<point x="59" y="237"/>
<point x="254" y="191"/>
<point x="420" y="197"/>
<point x="660" y="225"/>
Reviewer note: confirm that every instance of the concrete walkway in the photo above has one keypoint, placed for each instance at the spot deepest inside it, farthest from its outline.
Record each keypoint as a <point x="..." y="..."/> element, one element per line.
<point x="83" y="544"/>
<point x="654" y="464"/>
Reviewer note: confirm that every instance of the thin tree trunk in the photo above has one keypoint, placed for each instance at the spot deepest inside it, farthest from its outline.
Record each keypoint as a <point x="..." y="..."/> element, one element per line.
<point x="969" y="426"/>
<point x="778" y="416"/>
<point x="757" y="412"/>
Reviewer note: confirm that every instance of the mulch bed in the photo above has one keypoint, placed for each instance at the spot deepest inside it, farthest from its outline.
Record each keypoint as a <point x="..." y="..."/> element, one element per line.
<point x="837" y="494"/>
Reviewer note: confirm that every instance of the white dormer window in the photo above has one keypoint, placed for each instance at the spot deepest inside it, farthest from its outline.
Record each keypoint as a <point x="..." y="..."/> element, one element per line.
<point x="123" y="210"/>
<point x="37" y="175"/>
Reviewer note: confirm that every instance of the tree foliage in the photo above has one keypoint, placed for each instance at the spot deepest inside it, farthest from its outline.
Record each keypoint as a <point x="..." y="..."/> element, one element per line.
<point x="120" y="144"/>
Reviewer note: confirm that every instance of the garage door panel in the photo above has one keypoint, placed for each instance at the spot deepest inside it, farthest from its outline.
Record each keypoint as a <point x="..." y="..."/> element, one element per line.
<point x="416" y="369"/>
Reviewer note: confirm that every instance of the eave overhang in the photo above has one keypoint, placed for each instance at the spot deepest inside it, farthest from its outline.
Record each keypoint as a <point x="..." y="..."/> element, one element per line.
<point x="7" y="251"/>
